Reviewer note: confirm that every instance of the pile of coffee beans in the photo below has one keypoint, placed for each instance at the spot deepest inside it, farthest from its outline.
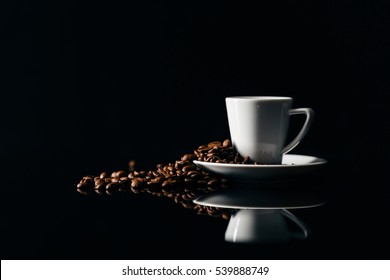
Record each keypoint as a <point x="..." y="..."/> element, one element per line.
<point x="221" y="152"/>
<point x="182" y="180"/>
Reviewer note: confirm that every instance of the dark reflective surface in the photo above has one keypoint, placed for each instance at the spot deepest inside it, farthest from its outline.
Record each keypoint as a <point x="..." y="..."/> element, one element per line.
<point x="44" y="216"/>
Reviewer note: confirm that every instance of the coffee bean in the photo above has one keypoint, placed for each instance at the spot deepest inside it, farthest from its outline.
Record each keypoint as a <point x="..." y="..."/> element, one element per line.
<point x="100" y="191"/>
<point x="101" y="186"/>
<point x="84" y="186"/>
<point x="82" y="191"/>
<point x="88" y="180"/>
<point x="187" y="205"/>
<point x="225" y="216"/>
<point x="112" y="186"/>
<point x="100" y="183"/>
<point x="115" y="179"/>
<point x="226" y="143"/>
<point x="157" y="180"/>
<point x="213" y="182"/>
<point x="121" y="173"/>
<point x="214" y="143"/>
<point x="193" y="172"/>
<point x="203" y="148"/>
<point x="188" y="168"/>
<point x="177" y="198"/>
<point x="137" y="182"/>
<point x="188" y="157"/>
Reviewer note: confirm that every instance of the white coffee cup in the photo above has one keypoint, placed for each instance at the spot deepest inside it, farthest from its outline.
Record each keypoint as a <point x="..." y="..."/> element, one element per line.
<point x="259" y="126"/>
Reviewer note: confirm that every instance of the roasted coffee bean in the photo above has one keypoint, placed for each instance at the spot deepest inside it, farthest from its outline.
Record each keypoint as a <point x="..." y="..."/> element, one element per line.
<point x="157" y="180"/>
<point x="186" y="197"/>
<point x="166" y="183"/>
<point x="136" y="190"/>
<point x="110" y="191"/>
<point x="100" y="191"/>
<point x="87" y="180"/>
<point x="187" y="204"/>
<point x="101" y="185"/>
<point x="188" y="168"/>
<point x="226" y="143"/>
<point x="84" y="186"/>
<point x="203" y="148"/>
<point x="111" y="186"/>
<point x="188" y="157"/>
<point x="179" y="164"/>
<point x="177" y="198"/>
<point x="225" y="216"/>
<point x="214" y="143"/>
<point x="82" y="191"/>
<point x="121" y="173"/>
<point x="99" y="182"/>
<point x="213" y="182"/>
<point x="115" y="179"/>
<point x="191" y="195"/>
<point x="193" y="172"/>
<point x="137" y="182"/>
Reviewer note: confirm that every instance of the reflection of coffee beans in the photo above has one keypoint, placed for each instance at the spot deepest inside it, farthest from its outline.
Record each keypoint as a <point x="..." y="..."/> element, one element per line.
<point x="182" y="181"/>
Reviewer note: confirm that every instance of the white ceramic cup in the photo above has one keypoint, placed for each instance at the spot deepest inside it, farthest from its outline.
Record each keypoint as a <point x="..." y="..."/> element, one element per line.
<point x="259" y="125"/>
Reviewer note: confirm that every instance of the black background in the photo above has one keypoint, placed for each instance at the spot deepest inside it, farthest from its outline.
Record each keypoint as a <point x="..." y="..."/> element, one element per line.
<point x="87" y="86"/>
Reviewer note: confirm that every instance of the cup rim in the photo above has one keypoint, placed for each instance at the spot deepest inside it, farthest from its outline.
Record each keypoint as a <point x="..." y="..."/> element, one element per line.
<point x="259" y="97"/>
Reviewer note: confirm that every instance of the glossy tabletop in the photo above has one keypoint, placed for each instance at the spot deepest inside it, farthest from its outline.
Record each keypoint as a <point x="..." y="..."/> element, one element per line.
<point x="44" y="216"/>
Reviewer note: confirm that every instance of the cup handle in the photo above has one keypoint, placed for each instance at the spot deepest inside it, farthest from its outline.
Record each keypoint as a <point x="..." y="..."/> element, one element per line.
<point x="297" y="221"/>
<point x="309" y="120"/>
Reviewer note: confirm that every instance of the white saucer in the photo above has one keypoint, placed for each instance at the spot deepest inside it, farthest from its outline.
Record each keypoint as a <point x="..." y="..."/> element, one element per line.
<point x="292" y="166"/>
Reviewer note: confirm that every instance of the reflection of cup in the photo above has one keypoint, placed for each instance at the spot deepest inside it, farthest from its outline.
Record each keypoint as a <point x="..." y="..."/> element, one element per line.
<point x="264" y="226"/>
<point x="259" y="124"/>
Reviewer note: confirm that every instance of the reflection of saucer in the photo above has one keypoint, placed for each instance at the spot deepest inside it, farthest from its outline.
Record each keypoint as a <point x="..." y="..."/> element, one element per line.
<point x="292" y="166"/>
<point x="241" y="197"/>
